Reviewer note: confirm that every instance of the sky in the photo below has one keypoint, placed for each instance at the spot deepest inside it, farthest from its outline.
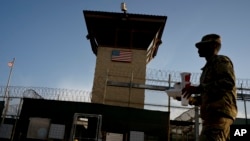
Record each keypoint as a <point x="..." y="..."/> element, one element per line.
<point x="48" y="38"/>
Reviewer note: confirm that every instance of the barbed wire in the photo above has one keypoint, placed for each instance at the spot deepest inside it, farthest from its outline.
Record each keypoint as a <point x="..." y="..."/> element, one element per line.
<point x="153" y="76"/>
<point x="46" y="93"/>
<point x="158" y="75"/>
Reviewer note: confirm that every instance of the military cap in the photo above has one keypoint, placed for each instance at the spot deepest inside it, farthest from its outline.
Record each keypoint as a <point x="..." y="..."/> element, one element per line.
<point x="209" y="38"/>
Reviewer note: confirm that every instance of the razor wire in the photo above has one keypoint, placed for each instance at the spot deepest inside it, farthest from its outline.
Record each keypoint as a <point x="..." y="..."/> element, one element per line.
<point x="46" y="93"/>
<point x="164" y="77"/>
<point x="155" y="77"/>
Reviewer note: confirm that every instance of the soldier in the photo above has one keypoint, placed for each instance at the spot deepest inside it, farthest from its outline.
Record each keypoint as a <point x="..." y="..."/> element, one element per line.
<point x="217" y="99"/>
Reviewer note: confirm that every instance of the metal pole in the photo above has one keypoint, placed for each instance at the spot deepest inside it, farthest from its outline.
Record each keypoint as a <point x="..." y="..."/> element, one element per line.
<point x="245" y="106"/>
<point x="130" y="87"/>
<point x="105" y="87"/>
<point x="196" y="108"/>
<point x="169" y="104"/>
<point x="6" y="95"/>
<point x="169" y="85"/>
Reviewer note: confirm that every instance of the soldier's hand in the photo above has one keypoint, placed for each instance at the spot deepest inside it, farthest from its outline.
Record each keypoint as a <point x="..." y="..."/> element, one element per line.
<point x="188" y="91"/>
<point x="178" y="98"/>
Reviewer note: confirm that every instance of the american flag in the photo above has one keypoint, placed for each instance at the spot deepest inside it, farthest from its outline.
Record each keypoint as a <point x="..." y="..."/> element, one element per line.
<point x="121" y="55"/>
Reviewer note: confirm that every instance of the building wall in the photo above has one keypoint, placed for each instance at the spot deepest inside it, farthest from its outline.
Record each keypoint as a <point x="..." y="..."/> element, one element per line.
<point x="115" y="119"/>
<point x="127" y="72"/>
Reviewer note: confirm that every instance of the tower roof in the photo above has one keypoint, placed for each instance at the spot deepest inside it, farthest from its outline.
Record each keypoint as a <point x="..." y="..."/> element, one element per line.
<point x="124" y="30"/>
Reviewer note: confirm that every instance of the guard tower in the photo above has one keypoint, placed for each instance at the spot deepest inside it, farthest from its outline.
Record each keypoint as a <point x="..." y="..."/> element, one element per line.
<point x="123" y="43"/>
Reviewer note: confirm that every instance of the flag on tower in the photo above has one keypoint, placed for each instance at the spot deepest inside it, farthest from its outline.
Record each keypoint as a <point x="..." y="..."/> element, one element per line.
<point x="121" y="55"/>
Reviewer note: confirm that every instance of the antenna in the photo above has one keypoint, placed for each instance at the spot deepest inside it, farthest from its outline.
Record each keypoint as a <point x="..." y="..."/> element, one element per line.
<point x="123" y="7"/>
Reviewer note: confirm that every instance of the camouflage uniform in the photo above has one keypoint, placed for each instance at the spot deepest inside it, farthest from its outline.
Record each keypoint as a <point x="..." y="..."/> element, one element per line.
<point x="217" y="98"/>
